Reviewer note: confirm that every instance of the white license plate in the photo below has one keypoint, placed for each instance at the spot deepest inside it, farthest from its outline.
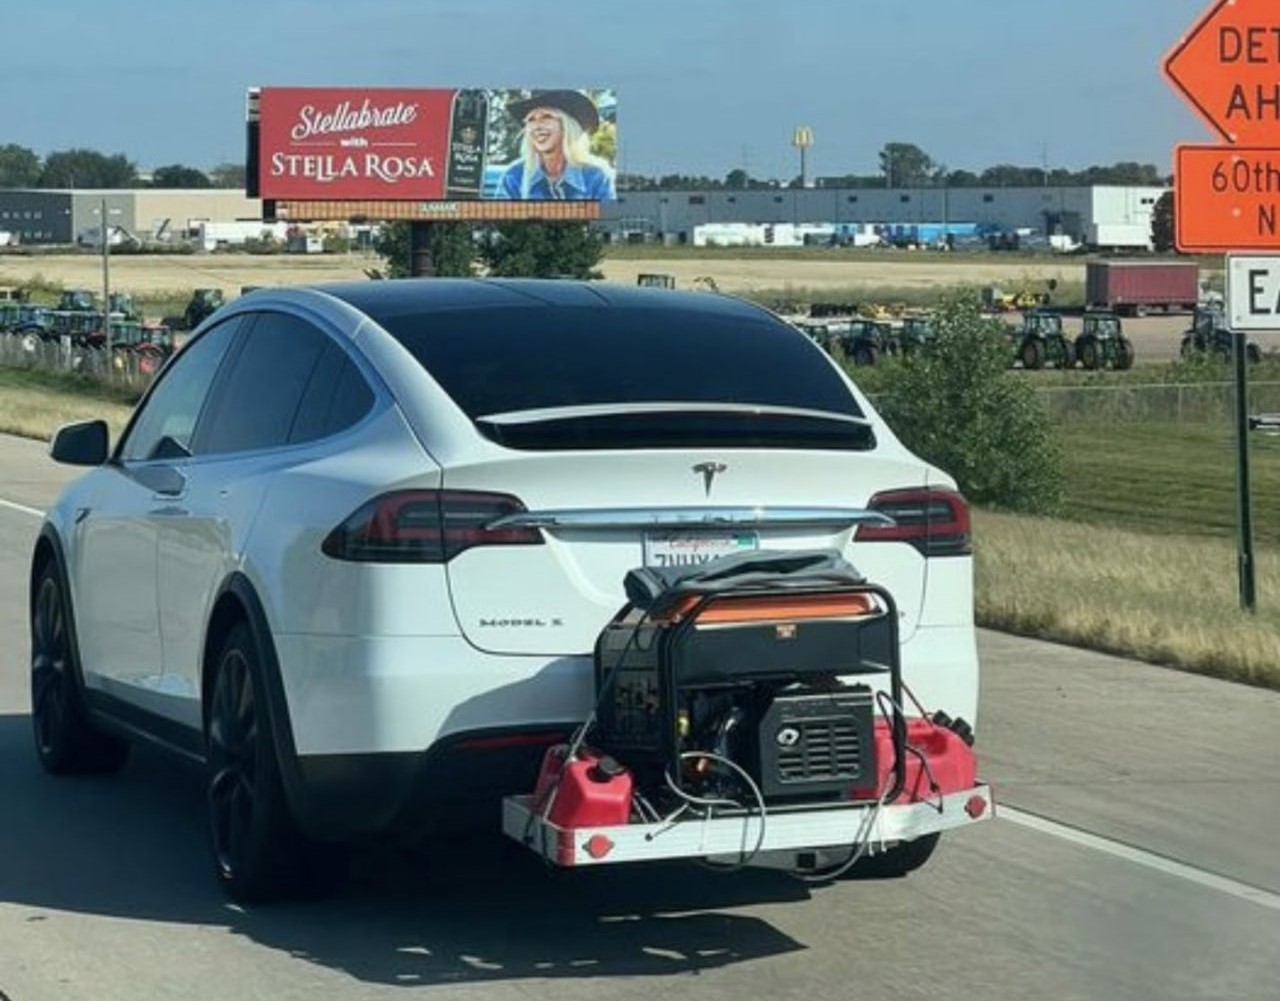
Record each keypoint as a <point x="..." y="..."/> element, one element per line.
<point x="688" y="549"/>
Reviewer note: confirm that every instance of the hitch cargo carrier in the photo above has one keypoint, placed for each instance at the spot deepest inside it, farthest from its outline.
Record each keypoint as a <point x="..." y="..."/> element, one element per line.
<point x="751" y="711"/>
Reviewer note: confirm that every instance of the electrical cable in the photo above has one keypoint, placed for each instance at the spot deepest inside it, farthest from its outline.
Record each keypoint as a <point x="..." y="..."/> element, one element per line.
<point x="744" y="857"/>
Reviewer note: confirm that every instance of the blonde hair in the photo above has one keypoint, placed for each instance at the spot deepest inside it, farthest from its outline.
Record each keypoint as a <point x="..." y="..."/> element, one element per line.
<point x="575" y="145"/>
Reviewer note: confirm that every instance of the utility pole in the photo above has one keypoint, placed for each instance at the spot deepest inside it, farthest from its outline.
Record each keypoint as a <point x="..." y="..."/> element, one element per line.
<point x="106" y="280"/>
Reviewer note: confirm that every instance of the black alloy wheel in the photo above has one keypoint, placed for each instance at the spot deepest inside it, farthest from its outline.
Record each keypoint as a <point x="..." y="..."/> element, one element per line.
<point x="233" y="755"/>
<point x="65" y="740"/>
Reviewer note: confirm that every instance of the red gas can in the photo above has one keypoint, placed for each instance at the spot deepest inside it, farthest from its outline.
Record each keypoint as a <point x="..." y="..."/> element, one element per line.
<point x="952" y="764"/>
<point x="592" y="790"/>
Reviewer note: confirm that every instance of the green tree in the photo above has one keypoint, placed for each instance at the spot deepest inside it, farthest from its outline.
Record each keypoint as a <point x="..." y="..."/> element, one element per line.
<point x="176" y="175"/>
<point x="87" y="168"/>
<point x="453" y="249"/>
<point x="905" y="165"/>
<point x="19" y="166"/>
<point x="961" y="408"/>
<point x="542" y="250"/>
<point x="1163" y="224"/>
<point x="228" y="175"/>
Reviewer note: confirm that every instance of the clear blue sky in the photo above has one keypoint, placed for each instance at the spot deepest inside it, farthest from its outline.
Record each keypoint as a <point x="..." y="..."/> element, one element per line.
<point x="703" y="85"/>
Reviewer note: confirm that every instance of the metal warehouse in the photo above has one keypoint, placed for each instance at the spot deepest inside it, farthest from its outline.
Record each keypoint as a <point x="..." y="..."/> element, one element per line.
<point x="149" y="214"/>
<point x="1101" y="216"/>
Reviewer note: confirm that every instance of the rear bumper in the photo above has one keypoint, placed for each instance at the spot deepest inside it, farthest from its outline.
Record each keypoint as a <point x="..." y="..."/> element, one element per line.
<point x="726" y="838"/>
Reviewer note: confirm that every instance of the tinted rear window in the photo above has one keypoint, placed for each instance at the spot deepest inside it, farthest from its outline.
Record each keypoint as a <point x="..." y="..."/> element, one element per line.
<point x="494" y="361"/>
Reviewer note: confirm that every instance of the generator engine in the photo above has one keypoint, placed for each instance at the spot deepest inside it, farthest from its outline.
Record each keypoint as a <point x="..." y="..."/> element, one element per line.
<point x="766" y="681"/>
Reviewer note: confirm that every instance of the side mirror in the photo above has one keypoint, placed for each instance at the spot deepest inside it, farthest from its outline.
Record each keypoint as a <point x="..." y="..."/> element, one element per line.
<point x="82" y="444"/>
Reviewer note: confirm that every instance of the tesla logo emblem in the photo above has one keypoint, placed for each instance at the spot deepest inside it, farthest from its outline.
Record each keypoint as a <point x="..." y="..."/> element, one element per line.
<point x="788" y="736"/>
<point x="709" y="471"/>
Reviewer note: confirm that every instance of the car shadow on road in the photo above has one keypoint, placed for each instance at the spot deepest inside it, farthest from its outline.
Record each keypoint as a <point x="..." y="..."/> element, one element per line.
<point x="133" y="846"/>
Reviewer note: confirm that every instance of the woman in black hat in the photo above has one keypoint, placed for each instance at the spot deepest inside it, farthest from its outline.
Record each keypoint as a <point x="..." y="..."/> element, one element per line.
<point x="556" y="161"/>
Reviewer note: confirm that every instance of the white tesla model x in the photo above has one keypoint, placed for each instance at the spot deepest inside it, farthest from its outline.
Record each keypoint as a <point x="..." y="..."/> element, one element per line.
<point x="354" y="548"/>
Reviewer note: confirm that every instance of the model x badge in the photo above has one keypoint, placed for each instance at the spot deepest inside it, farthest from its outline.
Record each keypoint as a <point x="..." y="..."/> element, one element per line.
<point x="709" y="471"/>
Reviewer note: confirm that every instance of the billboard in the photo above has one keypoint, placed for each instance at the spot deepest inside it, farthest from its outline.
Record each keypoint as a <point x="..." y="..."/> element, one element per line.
<point x="377" y="145"/>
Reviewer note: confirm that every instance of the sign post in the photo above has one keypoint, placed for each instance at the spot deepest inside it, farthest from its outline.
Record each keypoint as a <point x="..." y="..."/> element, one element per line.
<point x="1227" y="197"/>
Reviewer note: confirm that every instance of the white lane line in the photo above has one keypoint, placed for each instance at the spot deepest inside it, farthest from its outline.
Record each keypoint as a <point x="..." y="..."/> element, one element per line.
<point x="1160" y="863"/>
<point x="22" y="508"/>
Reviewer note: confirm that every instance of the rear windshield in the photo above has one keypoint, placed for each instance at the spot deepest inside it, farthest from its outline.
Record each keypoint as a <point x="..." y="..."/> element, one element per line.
<point x="495" y="361"/>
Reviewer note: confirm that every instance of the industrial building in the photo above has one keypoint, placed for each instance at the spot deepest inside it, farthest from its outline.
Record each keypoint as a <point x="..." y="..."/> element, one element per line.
<point x="1103" y="216"/>
<point x="40" y="216"/>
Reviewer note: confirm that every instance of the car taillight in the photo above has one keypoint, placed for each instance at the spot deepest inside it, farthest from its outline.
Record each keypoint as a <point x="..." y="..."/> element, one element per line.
<point x="934" y="520"/>
<point x="426" y="526"/>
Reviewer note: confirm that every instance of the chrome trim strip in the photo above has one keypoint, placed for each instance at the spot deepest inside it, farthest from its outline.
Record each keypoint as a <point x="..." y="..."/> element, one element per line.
<point x="622" y="409"/>
<point x="695" y="517"/>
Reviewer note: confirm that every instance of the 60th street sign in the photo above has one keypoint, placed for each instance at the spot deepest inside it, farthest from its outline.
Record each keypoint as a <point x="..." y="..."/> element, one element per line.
<point x="1227" y="198"/>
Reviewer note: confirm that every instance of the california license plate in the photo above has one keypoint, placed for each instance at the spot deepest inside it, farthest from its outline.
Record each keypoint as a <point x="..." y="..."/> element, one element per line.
<point x="689" y="549"/>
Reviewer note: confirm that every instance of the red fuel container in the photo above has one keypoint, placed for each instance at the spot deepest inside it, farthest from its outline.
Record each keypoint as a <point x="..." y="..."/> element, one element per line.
<point x="951" y="762"/>
<point x="593" y="790"/>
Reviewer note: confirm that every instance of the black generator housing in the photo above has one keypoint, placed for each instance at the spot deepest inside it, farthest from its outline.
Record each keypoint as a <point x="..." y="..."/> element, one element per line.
<point x="767" y="680"/>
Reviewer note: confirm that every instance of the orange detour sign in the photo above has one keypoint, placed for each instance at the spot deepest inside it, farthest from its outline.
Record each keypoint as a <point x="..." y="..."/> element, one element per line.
<point x="1228" y="69"/>
<point x="1227" y="198"/>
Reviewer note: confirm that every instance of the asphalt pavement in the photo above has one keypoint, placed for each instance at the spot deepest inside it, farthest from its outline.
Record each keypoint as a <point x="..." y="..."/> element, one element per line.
<point x="1136" y="859"/>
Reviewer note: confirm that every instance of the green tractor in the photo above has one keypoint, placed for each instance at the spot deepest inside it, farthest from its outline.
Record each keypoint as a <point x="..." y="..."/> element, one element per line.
<point x="916" y="335"/>
<point x="1102" y="343"/>
<point x="866" y="340"/>
<point x="1209" y="334"/>
<point x="76" y="300"/>
<point x="204" y="303"/>
<point x="123" y="306"/>
<point x="1039" y="341"/>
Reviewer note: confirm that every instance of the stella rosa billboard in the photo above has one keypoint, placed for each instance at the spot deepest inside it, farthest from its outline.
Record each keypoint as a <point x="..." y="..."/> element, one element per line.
<point x="430" y="145"/>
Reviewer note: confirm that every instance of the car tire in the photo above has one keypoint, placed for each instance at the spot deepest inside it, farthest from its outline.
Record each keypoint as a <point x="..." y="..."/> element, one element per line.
<point x="1253" y="354"/>
<point x="864" y="355"/>
<point x="1188" y="347"/>
<point x="66" y="741"/>
<point x="900" y="860"/>
<point x="259" y="855"/>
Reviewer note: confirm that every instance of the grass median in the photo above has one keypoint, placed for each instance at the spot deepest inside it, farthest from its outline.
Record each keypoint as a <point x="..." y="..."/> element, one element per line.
<point x="1170" y="599"/>
<point x="35" y="403"/>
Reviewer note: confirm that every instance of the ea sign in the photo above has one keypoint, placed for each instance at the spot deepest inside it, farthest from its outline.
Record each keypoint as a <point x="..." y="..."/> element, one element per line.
<point x="1253" y="292"/>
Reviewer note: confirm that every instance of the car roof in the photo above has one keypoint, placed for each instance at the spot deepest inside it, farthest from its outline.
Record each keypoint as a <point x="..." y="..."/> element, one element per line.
<point x="402" y="296"/>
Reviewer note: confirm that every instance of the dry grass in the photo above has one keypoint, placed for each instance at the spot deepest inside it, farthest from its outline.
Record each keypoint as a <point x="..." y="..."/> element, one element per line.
<point x="35" y="404"/>
<point x="1169" y="599"/>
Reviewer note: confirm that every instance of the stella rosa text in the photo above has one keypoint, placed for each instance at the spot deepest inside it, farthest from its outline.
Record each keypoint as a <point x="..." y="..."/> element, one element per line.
<point x="328" y="167"/>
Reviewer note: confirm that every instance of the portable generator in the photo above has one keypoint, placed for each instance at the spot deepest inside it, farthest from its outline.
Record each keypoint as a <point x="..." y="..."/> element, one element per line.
<point x="764" y="675"/>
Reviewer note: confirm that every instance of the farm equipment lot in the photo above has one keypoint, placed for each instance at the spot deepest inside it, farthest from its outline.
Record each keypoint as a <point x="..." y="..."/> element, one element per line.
<point x="173" y="277"/>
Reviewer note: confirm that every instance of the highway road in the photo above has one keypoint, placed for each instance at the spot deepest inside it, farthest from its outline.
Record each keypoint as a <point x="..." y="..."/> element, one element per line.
<point x="1135" y="858"/>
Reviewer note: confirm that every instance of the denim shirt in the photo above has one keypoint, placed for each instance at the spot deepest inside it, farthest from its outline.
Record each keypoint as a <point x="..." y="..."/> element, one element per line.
<point x="587" y="183"/>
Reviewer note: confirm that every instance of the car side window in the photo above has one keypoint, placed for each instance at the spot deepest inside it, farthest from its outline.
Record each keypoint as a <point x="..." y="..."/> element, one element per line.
<point x="255" y="403"/>
<point x="336" y="397"/>
<point x="164" y="427"/>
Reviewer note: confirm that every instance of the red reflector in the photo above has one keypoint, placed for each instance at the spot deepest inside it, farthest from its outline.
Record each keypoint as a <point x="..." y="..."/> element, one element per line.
<point x="598" y="846"/>
<point x="975" y="806"/>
